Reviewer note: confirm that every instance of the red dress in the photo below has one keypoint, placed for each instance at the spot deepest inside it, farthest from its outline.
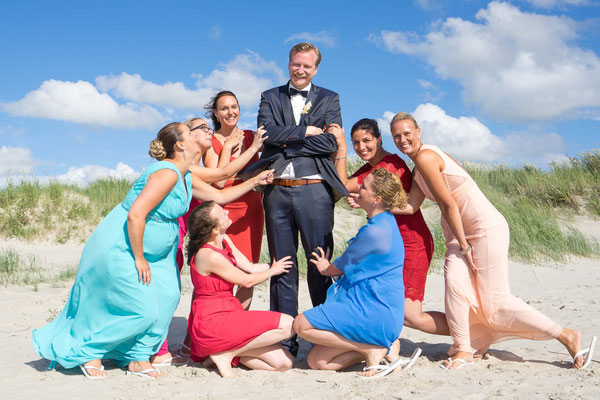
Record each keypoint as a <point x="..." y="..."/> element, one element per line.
<point x="246" y="214"/>
<point x="418" y="242"/>
<point x="217" y="321"/>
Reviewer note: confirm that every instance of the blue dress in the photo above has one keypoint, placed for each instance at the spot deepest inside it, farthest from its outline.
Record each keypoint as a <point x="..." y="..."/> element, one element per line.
<point x="366" y="305"/>
<point x="109" y="314"/>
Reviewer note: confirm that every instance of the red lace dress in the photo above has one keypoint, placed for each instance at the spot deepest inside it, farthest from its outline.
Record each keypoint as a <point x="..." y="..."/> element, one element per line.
<point x="418" y="242"/>
<point x="217" y="321"/>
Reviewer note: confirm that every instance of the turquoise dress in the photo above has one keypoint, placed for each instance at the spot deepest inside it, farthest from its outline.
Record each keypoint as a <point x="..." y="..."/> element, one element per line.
<point x="366" y="305"/>
<point x="109" y="314"/>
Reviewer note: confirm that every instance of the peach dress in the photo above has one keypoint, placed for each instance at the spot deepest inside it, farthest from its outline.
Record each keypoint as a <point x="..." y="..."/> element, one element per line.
<point x="479" y="306"/>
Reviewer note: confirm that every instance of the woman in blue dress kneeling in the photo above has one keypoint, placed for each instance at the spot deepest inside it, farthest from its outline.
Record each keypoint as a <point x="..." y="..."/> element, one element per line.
<point x="364" y="311"/>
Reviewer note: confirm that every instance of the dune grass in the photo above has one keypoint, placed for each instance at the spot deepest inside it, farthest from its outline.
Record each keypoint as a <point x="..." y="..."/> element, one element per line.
<point x="18" y="270"/>
<point x="531" y="199"/>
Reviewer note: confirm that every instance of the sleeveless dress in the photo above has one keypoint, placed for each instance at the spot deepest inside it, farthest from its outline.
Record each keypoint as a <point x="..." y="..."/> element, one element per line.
<point x="479" y="306"/>
<point x="418" y="242"/>
<point x="246" y="213"/>
<point x="363" y="304"/>
<point x="109" y="314"/>
<point x="217" y="321"/>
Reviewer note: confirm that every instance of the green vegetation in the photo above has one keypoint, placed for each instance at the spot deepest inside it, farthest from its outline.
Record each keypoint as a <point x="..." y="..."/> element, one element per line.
<point x="17" y="270"/>
<point x="531" y="199"/>
<point x="30" y="210"/>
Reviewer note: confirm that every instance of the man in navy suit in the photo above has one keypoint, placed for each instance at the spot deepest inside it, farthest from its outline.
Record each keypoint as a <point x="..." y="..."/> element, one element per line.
<point x="301" y="198"/>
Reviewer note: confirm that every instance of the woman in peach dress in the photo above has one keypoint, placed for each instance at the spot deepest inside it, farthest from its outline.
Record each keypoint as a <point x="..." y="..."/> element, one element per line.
<point x="479" y="306"/>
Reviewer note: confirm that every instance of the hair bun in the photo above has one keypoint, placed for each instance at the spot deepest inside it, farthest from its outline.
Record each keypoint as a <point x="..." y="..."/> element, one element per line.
<point x="157" y="150"/>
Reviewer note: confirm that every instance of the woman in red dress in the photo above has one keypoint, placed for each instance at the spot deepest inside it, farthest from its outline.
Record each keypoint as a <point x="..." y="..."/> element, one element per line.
<point x="219" y="326"/>
<point x="418" y="242"/>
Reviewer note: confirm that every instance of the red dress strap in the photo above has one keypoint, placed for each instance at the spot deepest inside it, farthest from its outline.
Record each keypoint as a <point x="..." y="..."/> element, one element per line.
<point x="226" y="251"/>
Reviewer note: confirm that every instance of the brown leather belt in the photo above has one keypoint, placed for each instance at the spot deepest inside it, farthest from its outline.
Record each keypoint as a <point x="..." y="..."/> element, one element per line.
<point x="296" y="182"/>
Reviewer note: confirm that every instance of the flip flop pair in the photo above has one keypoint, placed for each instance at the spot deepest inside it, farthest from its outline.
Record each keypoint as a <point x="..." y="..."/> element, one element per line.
<point x="588" y="353"/>
<point x="389" y="368"/>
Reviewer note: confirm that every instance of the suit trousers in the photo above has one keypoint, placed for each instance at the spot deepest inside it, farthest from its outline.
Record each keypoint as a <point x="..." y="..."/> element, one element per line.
<point x="307" y="209"/>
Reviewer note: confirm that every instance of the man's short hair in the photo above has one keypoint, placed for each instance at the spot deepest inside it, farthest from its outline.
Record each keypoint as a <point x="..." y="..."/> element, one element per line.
<point x="304" y="47"/>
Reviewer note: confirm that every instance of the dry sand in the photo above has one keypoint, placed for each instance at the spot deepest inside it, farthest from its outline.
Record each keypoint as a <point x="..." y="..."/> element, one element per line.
<point x="518" y="369"/>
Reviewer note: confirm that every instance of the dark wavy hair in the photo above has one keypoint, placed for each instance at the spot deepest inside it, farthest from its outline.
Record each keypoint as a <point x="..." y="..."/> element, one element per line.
<point x="200" y="226"/>
<point x="367" y="124"/>
<point x="211" y="107"/>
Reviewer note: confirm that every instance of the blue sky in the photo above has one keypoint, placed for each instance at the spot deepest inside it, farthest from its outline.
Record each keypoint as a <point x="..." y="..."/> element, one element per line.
<point x="85" y="86"/>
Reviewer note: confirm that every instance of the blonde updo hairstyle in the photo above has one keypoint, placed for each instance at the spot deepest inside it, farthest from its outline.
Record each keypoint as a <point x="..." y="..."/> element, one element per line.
<point x="401" y="116"/>
<point x="164" y="145"/>
<point x="389" y="187"/>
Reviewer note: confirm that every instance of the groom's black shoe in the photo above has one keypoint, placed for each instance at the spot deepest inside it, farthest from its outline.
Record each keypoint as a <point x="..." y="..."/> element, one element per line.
<point x="291" y="345"/>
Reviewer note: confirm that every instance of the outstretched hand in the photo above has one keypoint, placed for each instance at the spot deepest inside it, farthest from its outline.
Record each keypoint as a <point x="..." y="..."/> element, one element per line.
<point x="144" y="272"/>
<point x="321" y="260"/>
<point x="339" y="134"/>
<point x="281" y="266"/>
<point x="259" y="138"/>
<point x="351" y="200"/>
<point x="265" y="177"/>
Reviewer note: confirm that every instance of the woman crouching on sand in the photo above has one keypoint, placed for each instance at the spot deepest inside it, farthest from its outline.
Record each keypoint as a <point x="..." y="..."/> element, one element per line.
<point x="479" y="306"/>
<point x="362" y="315"/>
<point x="219" y="326"/>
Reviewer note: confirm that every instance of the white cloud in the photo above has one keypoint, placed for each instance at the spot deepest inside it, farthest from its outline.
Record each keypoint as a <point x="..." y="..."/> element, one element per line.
<point x="247" y="75"/>
<point x="87" y="174"/>
<point x="324" y="37"/>
<point x="170" y="94"/>
<point x="80" y="102"/>
<point x="516" y="66"/>
<point x="547" y="4"/>
<point x="467" y="138"/>
<point x="16" y="161"/>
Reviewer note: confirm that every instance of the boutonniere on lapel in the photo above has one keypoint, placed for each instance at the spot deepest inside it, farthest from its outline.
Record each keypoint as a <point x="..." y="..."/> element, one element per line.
<point x="306" y="108"/>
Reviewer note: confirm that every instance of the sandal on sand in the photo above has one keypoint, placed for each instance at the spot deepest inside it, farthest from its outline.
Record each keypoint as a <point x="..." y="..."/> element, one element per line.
<point x="460" y="361"/>
<point x="144" y="373"/>
<point x="169" y="361"/>
<point x="589" y="353"/>
<point x="383" y="369"/>
<point x="185" y="350"/>
<point x="84" y="369"/>
<point x="413" y="358"/>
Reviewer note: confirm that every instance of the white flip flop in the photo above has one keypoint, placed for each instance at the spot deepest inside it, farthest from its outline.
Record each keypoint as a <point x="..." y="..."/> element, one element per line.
<point x="144" y="373"/>
<point x="84" y="369"/>
<point x="460" y="361"/>
<point x="383" y="369"/>
<point x="589" y="353"/>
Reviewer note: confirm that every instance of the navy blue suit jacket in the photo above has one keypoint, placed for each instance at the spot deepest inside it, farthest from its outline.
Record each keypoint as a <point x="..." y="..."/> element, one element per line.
<point x="287" y="140"/>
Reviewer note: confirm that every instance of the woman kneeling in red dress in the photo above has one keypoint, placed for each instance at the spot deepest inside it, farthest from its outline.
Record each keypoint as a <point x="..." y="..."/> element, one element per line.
<point x="219" y="326"/>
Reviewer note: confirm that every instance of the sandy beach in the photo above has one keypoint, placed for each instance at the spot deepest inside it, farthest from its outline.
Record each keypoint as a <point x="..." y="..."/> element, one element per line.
<point x="516" y="369"/>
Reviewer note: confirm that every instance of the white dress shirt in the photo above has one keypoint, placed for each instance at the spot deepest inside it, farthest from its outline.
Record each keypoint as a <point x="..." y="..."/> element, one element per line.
<point x="298" y="103"/>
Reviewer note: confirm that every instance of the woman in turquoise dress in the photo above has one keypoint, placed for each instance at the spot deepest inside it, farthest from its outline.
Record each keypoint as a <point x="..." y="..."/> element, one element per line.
<point x="127" y="285"/>
<point x="364" y="310"/>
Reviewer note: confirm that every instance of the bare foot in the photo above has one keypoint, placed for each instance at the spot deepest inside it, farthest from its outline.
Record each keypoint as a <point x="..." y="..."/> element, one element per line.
<point x="571" y="339"/>
<point x="223" y="363"/>
<point x="175" y="359"/>
<point x="98" y="370"/>
<point x="372" y="358"/>
<point x="138" y="366"/>
<point x="394" y="352"/>
<point x="454" y="364"/>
